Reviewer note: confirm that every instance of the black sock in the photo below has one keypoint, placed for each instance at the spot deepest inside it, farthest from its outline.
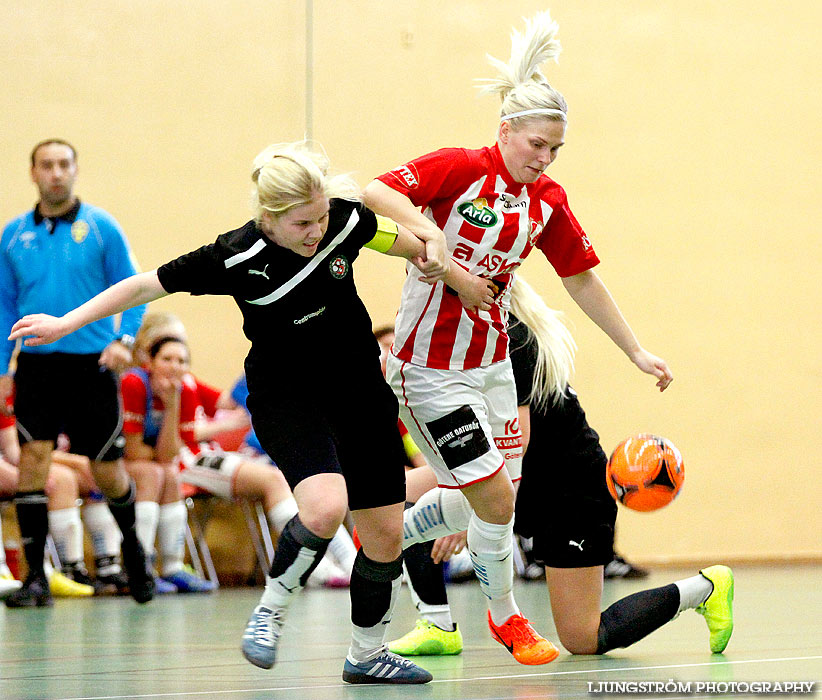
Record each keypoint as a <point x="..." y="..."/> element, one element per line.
<point x="371" y="588"/>
<point x="426" y="577"/>
<point x="294" y="539"/>
<point x="33" y="519"/>
<point x="636" y="616"/>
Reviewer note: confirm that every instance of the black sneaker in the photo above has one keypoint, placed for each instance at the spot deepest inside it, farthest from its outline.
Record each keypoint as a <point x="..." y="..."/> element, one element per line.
<point x="112" y="584"/>
<point x="619" y="568"/>
<point x="140" y="578"/>
<point x="78" y="574"/>
<point x="34" y="593"/>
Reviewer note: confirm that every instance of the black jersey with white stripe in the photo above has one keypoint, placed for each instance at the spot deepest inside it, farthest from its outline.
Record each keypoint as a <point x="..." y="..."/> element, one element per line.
<point x="563" y="451"/>
<point x="302" y="315"/>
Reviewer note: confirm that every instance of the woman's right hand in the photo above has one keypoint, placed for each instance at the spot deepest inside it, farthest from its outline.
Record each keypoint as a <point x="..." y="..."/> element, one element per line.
<point x="166" y="388"/>
<point x="45" y="329"/>
<point x="478" y="294"/>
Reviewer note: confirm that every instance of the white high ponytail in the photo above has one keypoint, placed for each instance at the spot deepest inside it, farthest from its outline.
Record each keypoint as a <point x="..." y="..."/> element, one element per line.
<point x="520" y="83"/>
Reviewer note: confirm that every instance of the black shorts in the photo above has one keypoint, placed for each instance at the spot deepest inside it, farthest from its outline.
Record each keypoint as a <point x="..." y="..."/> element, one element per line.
<point x="62" y="393"/>
<point x="335" y="428"/>
<point x="563" y="502"/>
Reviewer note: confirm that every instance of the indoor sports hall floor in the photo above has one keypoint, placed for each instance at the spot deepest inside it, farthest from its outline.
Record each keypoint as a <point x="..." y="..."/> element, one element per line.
<point x="181" y="647"/>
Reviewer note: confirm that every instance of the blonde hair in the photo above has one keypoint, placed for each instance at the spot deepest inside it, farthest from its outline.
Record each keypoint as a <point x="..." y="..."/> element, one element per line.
<point x="156" y="324"/>
<point x="555" y="344"/>
<point x="520" y="82"/>
<point x="288" y="175"/>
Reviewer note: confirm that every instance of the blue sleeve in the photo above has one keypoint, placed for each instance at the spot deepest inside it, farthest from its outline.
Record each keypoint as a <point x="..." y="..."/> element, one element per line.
<point x="239" y="392"/>
<point x="119" y="264"/>
<point x="254" y="443"/>
<point x="8" y="304"/>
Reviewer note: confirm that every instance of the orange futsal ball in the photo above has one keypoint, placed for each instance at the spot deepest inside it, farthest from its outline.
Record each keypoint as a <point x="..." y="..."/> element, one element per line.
<point x="645" y="472"/>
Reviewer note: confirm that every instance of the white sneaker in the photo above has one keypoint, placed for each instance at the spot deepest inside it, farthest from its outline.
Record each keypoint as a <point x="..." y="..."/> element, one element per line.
<point x="8" y="585"/>
<point x="328" y="574"/>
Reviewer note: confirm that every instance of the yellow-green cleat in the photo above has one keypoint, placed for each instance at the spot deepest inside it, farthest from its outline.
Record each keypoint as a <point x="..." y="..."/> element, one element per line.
<point x="718" y="609"/>
<point x="426" y="639"/>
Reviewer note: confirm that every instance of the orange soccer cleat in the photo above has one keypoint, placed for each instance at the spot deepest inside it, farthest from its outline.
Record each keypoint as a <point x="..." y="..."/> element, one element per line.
<point x="522" y="640"/>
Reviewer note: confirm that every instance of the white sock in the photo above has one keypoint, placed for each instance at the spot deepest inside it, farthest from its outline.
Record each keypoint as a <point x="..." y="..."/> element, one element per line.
<point x="343" y="550"/>
<point x="491" y="548"/>
<point x="147" y="515"/>
<point x="693" y="592"/>
<point x="171" y="524"/>
<point x="67" y="532"/>
<point x="5" y="572"/>
<point x="279" y="592"/>
<point x="102" y="527"/>
<point x="437" y="513"/>
<point x="439" y="615"/>
<point x="367" y="642"/>
<point x="281" y="513"/>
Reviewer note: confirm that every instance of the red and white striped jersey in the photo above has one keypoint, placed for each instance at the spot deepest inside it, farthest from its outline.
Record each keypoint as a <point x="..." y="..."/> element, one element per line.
<point x="491" y="223"/>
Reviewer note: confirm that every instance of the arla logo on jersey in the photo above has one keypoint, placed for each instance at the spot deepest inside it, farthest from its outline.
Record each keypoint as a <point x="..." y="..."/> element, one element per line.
<point x="339" y="267"/>
<point x="478" y="213"/>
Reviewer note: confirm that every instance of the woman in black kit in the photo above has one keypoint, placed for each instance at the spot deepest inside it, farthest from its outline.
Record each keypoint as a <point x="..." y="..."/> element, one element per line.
<point x="318" y="400"/>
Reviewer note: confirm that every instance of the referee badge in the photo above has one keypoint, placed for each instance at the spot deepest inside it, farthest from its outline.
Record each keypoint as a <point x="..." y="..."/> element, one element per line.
<point x="79" y="231"/>
<point x="339" y="267"/>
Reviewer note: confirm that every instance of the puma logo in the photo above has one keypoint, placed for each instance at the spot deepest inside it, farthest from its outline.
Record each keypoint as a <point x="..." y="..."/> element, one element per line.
<point x="576" y="544"/>
<point x="260" y="272"/>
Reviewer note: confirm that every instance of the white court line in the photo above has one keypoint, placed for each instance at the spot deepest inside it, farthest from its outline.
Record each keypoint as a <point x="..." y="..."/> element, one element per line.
<point x="549" y="674"/>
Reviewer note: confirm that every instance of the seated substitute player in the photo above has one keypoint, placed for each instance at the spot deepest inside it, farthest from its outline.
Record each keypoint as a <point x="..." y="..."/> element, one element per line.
<point x="64" y="521"/>
<point x="314" y="380"/>
<point x="563" y="474"/>
<point x="334" y="570"/>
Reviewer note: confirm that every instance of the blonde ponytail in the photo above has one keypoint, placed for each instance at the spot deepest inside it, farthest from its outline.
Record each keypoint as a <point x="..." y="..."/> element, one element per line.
<point x="520" y="83"/>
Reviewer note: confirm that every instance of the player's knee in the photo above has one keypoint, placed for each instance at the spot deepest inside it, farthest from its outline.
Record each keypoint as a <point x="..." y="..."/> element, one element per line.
<point x="383" y="544"/>
<point x="492" y="500"/>
<point x="61" y="480"/>
<point x="578" y="637"/>
<point x="494" y="511"/>
<point x="323" y="519"/>
<point x="276" y="488"/>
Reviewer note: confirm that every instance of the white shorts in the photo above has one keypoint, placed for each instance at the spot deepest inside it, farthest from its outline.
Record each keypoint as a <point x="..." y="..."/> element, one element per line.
<point x="465" y="422"/>
<point x="212" y="470"/>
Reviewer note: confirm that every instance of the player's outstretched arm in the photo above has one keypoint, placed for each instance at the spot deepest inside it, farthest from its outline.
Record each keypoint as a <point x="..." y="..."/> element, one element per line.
<point x="476" y="293"/>
<point x="132" y="291"/>
<point x="382" y="199"/>
<point x="593" y="297"/>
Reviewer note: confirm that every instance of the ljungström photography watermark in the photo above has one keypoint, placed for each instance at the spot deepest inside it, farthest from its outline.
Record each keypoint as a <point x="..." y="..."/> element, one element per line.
<point x="673" y="687"/>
